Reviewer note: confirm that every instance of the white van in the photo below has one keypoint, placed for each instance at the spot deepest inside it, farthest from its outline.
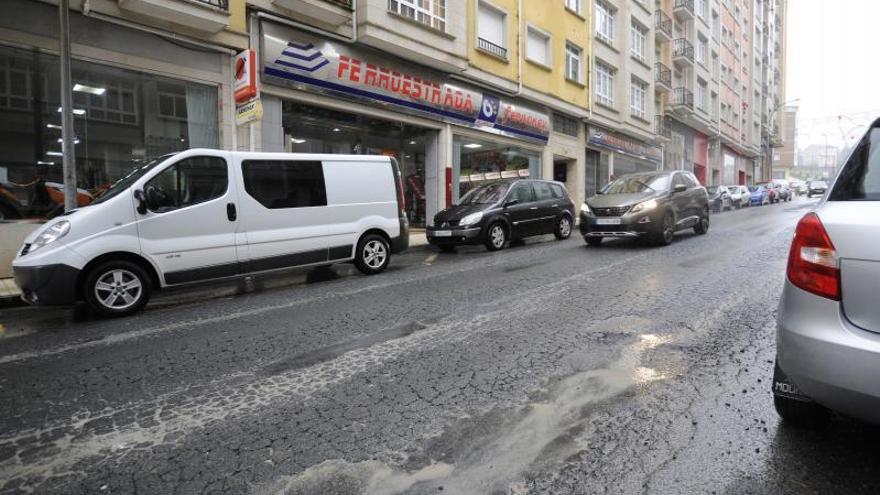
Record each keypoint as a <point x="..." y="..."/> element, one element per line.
<point x="207" y="214"/>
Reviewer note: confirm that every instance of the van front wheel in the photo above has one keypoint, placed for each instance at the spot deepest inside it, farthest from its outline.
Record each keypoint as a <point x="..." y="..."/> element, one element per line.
<point x="117" y="288"/>
<point x="372" y="254"/>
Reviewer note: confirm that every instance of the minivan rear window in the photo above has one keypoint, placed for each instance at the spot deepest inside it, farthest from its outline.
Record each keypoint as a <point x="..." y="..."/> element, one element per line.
<point x="860" y="178"/>
<point x="280" y="184"/>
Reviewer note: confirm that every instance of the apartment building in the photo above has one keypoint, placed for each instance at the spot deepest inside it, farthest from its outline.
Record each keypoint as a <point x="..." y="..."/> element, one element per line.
<point x="784" y="156"/>
<point x="770" y="53"/>
<point x="621" y="135"/>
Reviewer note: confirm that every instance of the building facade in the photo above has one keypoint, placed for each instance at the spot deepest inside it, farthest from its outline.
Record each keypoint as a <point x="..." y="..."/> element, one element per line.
<point x="784" y="158"/>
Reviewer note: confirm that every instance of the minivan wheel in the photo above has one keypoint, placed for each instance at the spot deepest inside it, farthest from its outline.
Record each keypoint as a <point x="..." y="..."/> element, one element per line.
<point x="563" y="228"/>
<point x="496" y="237"/>
<point x="117" y="288"/>
<point x="702" y="227"/>
<point x="372" y="255"/>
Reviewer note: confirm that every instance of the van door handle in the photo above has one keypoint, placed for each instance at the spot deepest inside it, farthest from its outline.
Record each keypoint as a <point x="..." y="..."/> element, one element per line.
<point x="230" y="212"/>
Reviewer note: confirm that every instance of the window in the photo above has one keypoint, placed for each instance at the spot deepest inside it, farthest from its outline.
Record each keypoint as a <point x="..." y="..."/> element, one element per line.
<point x="490" y="30"/>
<point x="604" y="22"/>
<point x="715" y="65"/>
<point x="716" y="24"/>
<point x="638" y="40"/>
<point x="573" y="54"/>
<point x="428" y="12"/>
<point x="689" y="179"/>
<point x="543" y="191"/>
<point x="522" y="192"/>
<point x="573" y="5"/>
<point x="565" y="124"/>
<point x="537" y="46"/>
<point x="702" y="49"/>
<point x="637" y="94"/>
<point x="604" y="84"/>
<point x="188" y="182"/>
<point x="702" y="90"/>
<point x="285" y="184"/>
<point x="713" y="101"/>
<point x="700" y="7"/>
<point x="558" y="191"/>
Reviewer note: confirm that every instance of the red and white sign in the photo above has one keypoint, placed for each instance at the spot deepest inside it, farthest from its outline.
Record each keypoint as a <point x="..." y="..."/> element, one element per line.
<point x="244" y="73"/>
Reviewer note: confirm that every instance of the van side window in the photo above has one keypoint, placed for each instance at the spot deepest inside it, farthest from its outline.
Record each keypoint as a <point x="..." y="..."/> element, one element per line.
<point x="188" y="182"/>
<point x="543" y="191"/>
<point x="522" y="192"/>
<point x="280" y="184"/>
<point x="558" y="193"/>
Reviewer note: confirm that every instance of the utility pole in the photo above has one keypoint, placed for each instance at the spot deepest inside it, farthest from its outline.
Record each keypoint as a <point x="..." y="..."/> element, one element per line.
<point x="67" y="132"/>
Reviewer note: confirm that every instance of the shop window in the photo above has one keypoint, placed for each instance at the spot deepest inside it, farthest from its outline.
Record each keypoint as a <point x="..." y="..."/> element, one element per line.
<point x="565" y="124"/>
<point x="477" y="161"/>
<point x="280" y="184"/>
<point x="186" y="183"/>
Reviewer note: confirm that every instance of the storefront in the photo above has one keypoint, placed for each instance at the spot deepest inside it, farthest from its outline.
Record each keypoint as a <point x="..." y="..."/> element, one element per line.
<point x="155" y="99"/>
<point x="325" y="96"/>
<point x="611" y="154"/>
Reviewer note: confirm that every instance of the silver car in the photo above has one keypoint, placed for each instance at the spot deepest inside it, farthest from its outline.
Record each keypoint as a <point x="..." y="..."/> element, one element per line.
<point x="739" y="196"/>
<point x="828" y="328"/>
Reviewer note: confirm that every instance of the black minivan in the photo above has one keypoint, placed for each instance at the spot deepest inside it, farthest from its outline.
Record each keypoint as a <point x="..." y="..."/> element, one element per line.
<point x="496" y="213"/>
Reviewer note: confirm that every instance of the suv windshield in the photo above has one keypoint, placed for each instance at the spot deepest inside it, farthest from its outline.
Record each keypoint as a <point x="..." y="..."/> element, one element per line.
<point x="123" y="183"/>
<point x="483" y="195"/>
<point x="638" y="183"/>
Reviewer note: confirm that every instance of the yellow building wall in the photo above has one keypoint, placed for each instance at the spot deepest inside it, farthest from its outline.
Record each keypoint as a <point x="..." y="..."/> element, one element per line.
<point x="237" y="16"/>
<point x="550" y="16"/>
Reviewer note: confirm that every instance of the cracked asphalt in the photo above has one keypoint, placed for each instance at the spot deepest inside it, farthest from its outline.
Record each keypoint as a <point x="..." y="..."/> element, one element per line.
<point x="547" y="368"/>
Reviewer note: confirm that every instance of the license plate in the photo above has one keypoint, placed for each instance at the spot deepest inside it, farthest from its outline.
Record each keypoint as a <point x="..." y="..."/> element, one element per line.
<point x="607" y="221"/>
<point x="442" y="233"/>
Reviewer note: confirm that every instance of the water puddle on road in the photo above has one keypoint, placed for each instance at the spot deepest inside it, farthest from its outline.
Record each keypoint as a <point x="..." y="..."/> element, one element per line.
<point x="491" y="454"/>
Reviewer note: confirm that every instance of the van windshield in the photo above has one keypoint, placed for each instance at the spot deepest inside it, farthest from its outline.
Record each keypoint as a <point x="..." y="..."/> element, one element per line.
<point x="129" y="179"/>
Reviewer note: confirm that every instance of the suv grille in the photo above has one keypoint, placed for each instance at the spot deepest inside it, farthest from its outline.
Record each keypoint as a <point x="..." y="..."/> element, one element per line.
<point x="26" y="249"/>
<point x="614" y="211"/>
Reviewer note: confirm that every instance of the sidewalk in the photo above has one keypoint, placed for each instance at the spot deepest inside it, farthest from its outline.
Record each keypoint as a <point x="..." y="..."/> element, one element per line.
<point x="10" y="295"/>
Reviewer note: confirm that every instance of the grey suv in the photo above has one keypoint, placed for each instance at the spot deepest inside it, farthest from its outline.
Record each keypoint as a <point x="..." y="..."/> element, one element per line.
<point x="828" y="327"/>
<point x="651" y="205"/>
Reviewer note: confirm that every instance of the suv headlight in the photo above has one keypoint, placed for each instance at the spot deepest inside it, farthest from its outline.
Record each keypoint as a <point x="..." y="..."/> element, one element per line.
<point x="51" y="234"/>
<point x="644" y="206"/>
<point x="585" y="208"/>
<point x="471" y="219"/>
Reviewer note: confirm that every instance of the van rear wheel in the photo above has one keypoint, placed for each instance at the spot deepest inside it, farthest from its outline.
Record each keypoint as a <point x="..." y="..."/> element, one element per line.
<point x="117" y="288"/>
<point x="372" y="255"/>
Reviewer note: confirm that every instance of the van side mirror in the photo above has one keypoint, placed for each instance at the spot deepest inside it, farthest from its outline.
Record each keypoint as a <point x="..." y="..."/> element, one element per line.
<point x="679" y="188"/>
<point x="511" y="202"/>
<point x="141" y="201"/>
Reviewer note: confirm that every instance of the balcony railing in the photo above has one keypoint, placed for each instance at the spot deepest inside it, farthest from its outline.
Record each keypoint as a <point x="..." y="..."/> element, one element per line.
<point x="683" y="49"/>
<point x="661" y="127"/>
<point x="683" y="97"/>
<point x="663" y="24"/>
<point x="662" y="75"/>
<point x="492" y="48"/>
<point x="684" y="8"/>
<point x="221" y="4"/>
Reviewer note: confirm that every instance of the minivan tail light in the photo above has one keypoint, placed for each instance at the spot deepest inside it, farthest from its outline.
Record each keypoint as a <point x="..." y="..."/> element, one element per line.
<point x="812" y="261"/>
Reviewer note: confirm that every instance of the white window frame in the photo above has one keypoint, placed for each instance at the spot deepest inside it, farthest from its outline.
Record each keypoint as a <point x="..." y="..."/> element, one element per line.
<point x="638" y="97"/>
<point x="702" y="51"/>
<point x="702" y="94"/>
<point x="548" y="46"/>
<point x="575" y="6"/>
<point x="482" y="4"/>
<point x="421" y="14"/>
<point x="605" y="84"/>
<point x="605" y="18"/>
<point x="700" y="7"/>
<point x="573" y="51"/>
<point x="638" y="40"/>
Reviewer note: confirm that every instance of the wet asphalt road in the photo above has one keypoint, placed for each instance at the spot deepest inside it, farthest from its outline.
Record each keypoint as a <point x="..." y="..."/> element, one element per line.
<point x="546" y="368"/>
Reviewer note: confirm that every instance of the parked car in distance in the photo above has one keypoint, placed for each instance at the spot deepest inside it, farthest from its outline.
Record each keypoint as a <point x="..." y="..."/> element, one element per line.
<point x="816" y="188"/>
<point x="798" y="187"/>
<point x="783" y="192"/>
<point x="719" y="198"/>
<point x="827" y="345"/>
<point x="651" y="205"/>
<point x="772" y="191"/>
<point x="496" y="213"/>
<point x="205" y="214"/>
<point x="739" y="196"/>
<point x="759" y="195"/>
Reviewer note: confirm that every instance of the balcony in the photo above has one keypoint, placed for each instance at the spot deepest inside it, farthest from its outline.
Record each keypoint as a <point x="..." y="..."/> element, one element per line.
<point x="207" y="16"/>
<point x="683" y="100"/>
<point x="661" y="127"/>
<point x="662" y="27"/>
<point x="683" y="52"/>
<point x="662" y="78"/>
<point x="683" y="10"/>
<point x="333" y="12"/>
<point x="487" y="46"/>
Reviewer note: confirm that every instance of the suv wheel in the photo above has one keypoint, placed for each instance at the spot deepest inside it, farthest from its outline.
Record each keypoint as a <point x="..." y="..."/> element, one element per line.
<point x="496" y="237"/>
<point x="372" y="255"/>
<point x="703" y="225"/>
<point x="117" y="288"/>
<point x="563" y="227"/>
<point x="666" y="234"/>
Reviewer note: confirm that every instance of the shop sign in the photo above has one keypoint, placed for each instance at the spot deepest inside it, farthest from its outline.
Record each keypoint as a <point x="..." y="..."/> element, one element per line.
<point x="244" y="72"/>
<point x="251" y="111"/>
<point x="312" y="63"/>
<point x="622" y="144"/>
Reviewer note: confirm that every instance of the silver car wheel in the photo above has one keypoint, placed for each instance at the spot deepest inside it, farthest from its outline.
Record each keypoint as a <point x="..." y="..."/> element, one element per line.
<point x="375" y="254"/>
<point x="565" y="227"/>
<point x="497" y="236"/>
<point x="118" y="289"/>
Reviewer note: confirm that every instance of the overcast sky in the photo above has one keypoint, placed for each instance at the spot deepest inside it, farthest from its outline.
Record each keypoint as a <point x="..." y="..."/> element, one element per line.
<point x="833" y="66"/>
